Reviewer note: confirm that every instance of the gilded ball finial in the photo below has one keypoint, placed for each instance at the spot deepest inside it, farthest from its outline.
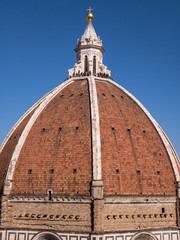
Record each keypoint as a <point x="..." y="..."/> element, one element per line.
<point x="90" y="16"/>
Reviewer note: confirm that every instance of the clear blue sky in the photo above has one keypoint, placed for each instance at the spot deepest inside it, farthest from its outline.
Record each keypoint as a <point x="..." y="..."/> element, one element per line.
<point x="141" y="39"/>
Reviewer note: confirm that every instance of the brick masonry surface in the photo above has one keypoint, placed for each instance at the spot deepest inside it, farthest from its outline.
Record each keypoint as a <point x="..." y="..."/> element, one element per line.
<point x="139" y="216"/>
<point x="57" y="152"/>
<point x="134" y="159"/>
<point x="50" y="216"/>
<point x="112" y="215"/>
<point x="8" y="150"/>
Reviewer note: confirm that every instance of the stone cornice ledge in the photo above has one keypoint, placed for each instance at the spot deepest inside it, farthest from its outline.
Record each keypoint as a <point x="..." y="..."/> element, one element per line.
<point x="139" y="199"/>
<point x="55" y="199"/>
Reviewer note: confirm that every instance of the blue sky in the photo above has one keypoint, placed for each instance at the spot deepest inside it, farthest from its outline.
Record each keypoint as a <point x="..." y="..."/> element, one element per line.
<point x="141" y="39"/>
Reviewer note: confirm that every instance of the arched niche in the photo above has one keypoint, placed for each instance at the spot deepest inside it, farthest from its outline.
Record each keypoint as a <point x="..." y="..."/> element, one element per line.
<point x="144" y="236"/>
<point x="86" y="64"/>
<point x="46" y="236"/>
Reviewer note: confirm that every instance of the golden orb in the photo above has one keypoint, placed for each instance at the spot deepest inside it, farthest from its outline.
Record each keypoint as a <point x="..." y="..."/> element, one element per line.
<point x="89" y="17"/>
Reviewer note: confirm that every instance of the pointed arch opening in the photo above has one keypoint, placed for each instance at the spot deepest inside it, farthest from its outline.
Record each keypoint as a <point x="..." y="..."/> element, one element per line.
<point x="94" y="65"/>
<point x="86" y="65"/>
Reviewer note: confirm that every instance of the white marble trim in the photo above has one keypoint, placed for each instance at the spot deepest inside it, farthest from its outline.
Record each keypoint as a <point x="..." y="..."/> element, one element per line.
<point x="43" y="103"/>
<point x="163" y="234"/>
<point x="96" y="140"/>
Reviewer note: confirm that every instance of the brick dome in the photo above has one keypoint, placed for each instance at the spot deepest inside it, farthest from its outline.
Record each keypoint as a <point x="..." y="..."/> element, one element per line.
<point x="88" y="162"/>
<point x="51" y="147"/>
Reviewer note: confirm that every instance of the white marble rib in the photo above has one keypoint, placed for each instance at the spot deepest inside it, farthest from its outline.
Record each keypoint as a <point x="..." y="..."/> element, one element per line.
<point x="96" y="140"/>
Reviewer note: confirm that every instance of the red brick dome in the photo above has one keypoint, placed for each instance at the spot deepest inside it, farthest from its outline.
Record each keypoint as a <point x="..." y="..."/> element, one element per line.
<point x="53" y="146"/>
<point x="88" y="161"/>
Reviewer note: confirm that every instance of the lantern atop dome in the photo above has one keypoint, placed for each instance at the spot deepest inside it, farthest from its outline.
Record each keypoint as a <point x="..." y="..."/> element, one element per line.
<point x="89" y="53"/>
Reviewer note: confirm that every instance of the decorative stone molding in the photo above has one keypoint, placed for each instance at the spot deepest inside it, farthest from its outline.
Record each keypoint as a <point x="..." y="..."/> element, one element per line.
<point x="49" y="217"/>
<point x="139" y="216"/>
<point x="55" y="199"/>
<point x="97" y="189"/>
<point x="139" y="199"/>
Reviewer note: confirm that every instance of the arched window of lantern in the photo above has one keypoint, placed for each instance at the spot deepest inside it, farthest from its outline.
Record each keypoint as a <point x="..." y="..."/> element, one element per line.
<point x="86" y="67"/>
<point x="94" y="64"/>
